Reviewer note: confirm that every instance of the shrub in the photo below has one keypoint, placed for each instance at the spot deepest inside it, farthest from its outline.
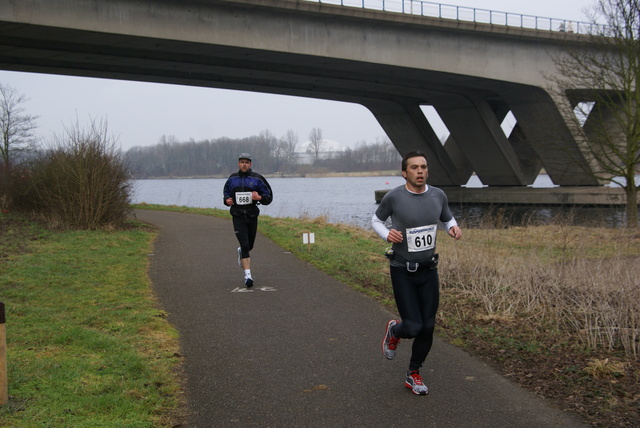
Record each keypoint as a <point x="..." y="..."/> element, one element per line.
<point x="82" y="181"/>
<point x="14" y="184"/>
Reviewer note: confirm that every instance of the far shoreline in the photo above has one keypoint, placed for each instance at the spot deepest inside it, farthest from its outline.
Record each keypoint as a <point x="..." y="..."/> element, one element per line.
<point x="393" y="173"/>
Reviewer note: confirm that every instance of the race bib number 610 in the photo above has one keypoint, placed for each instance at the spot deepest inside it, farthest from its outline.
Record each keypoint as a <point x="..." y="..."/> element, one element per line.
<point x="421" y="238"/>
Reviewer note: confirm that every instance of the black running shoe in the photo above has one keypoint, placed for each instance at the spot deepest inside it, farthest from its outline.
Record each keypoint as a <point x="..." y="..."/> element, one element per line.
<point x="248" y="282"/>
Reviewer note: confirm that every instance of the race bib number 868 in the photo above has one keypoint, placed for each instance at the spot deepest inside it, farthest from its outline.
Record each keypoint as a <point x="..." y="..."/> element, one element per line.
<point x="421" y="238"/>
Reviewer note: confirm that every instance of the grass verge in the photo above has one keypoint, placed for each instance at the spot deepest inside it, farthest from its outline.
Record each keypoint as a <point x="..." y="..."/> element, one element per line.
<point x="87" y="345"/>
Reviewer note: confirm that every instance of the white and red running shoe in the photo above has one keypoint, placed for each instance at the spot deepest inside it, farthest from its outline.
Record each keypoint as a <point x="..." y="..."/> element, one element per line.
<point x="390" y="342"/>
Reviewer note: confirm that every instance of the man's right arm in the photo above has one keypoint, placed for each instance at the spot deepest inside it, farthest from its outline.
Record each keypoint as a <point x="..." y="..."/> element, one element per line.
<point x="227" y="195"/>
<point x="379" y="227"/>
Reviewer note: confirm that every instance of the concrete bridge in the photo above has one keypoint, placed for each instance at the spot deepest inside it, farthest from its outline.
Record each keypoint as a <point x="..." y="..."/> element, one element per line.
<point x="473" y="74"/>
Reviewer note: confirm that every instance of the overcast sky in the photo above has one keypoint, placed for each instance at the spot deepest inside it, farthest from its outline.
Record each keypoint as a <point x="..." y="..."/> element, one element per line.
<point x="138" y="114"/>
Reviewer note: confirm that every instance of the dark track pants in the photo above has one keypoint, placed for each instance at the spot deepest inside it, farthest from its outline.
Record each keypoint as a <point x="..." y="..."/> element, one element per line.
<point x="245" y="229"/>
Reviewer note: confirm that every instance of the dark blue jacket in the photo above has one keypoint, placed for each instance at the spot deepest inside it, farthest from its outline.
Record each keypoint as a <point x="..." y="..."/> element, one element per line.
<point x="247" y="182"/>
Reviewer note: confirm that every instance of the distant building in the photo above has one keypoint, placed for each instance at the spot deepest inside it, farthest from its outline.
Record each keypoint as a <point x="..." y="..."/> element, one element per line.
<point x="305" y="153"/>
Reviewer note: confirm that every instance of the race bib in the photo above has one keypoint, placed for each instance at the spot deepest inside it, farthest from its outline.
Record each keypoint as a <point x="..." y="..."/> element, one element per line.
<point x="243" y="198"/>
<point x="421" y="238"/>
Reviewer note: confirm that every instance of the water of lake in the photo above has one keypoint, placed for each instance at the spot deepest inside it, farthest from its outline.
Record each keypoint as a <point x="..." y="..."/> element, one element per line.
<point x="348" y="200"/>
<point x="341" y="200"/>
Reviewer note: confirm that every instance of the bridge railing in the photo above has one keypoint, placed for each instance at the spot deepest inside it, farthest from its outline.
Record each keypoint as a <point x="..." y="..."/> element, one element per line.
<point x="472" y="14"/>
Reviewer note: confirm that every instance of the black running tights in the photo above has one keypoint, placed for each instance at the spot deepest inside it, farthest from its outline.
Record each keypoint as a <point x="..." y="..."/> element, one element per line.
<point x="245" y="229"/>
<point x="417" y="296"/>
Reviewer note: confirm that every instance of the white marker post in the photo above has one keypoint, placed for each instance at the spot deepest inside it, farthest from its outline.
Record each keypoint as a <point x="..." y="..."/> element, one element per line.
<point x="309" y="238"/>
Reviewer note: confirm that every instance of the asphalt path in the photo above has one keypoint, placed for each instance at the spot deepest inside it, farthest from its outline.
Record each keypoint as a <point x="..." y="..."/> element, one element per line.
<point x="301" y="349"/>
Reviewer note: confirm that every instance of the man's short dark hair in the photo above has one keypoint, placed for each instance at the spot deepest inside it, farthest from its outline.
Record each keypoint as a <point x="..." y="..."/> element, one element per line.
<point x="413" y="154"/>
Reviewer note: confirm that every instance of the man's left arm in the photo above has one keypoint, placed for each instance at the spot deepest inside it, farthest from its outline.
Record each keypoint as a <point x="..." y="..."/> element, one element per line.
<point x="453" y="229"/>
<point x="451" y="226"/>
<point x="264" y="190"/>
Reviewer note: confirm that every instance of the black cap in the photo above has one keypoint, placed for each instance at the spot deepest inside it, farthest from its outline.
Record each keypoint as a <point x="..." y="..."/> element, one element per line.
<point x="246" y="156"/>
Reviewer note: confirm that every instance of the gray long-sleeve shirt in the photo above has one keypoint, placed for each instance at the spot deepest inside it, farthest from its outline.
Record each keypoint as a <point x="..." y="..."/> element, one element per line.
<point x="416" y="215"/>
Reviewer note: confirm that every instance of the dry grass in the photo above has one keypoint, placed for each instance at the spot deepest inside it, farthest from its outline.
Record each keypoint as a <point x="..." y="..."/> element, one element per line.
<point x="605" y="368"/>
<point x="555" y="307"/>
<point x="587" y="281"/>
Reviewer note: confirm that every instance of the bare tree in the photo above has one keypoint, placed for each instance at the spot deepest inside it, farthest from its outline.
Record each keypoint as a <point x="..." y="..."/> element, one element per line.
<point x="315" y="138"/>
<point x="288" y="144"/>
<point x="17" y="131"/>
<point x="17" y="128"/>
<point x="603" y="82"/>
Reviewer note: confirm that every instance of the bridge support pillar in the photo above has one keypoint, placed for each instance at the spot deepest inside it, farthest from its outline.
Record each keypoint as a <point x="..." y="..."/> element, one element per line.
<point x="603" y="132"/>
<point x="544" y="122"/>
<point x="408" y="128"/>
<point x="473" y="123"/>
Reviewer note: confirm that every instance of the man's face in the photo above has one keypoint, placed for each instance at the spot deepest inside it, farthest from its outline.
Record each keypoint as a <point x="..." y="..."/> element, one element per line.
<point x="244" y="165"/>
<point x="417" y="172"/>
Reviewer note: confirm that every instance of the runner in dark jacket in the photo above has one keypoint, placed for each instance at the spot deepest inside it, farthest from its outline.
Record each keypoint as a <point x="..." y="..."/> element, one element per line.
<point x="243" y="191"/>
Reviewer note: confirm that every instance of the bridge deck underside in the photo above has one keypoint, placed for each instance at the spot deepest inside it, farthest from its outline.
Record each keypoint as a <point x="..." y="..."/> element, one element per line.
<point x="472" y="108"/>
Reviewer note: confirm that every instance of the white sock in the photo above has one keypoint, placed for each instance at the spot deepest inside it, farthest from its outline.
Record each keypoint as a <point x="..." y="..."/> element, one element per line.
<point x="247" y="273"/>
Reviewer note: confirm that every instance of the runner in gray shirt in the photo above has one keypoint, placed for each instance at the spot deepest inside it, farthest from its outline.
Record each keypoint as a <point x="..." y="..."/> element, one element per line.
<point x="415" y="210"/>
